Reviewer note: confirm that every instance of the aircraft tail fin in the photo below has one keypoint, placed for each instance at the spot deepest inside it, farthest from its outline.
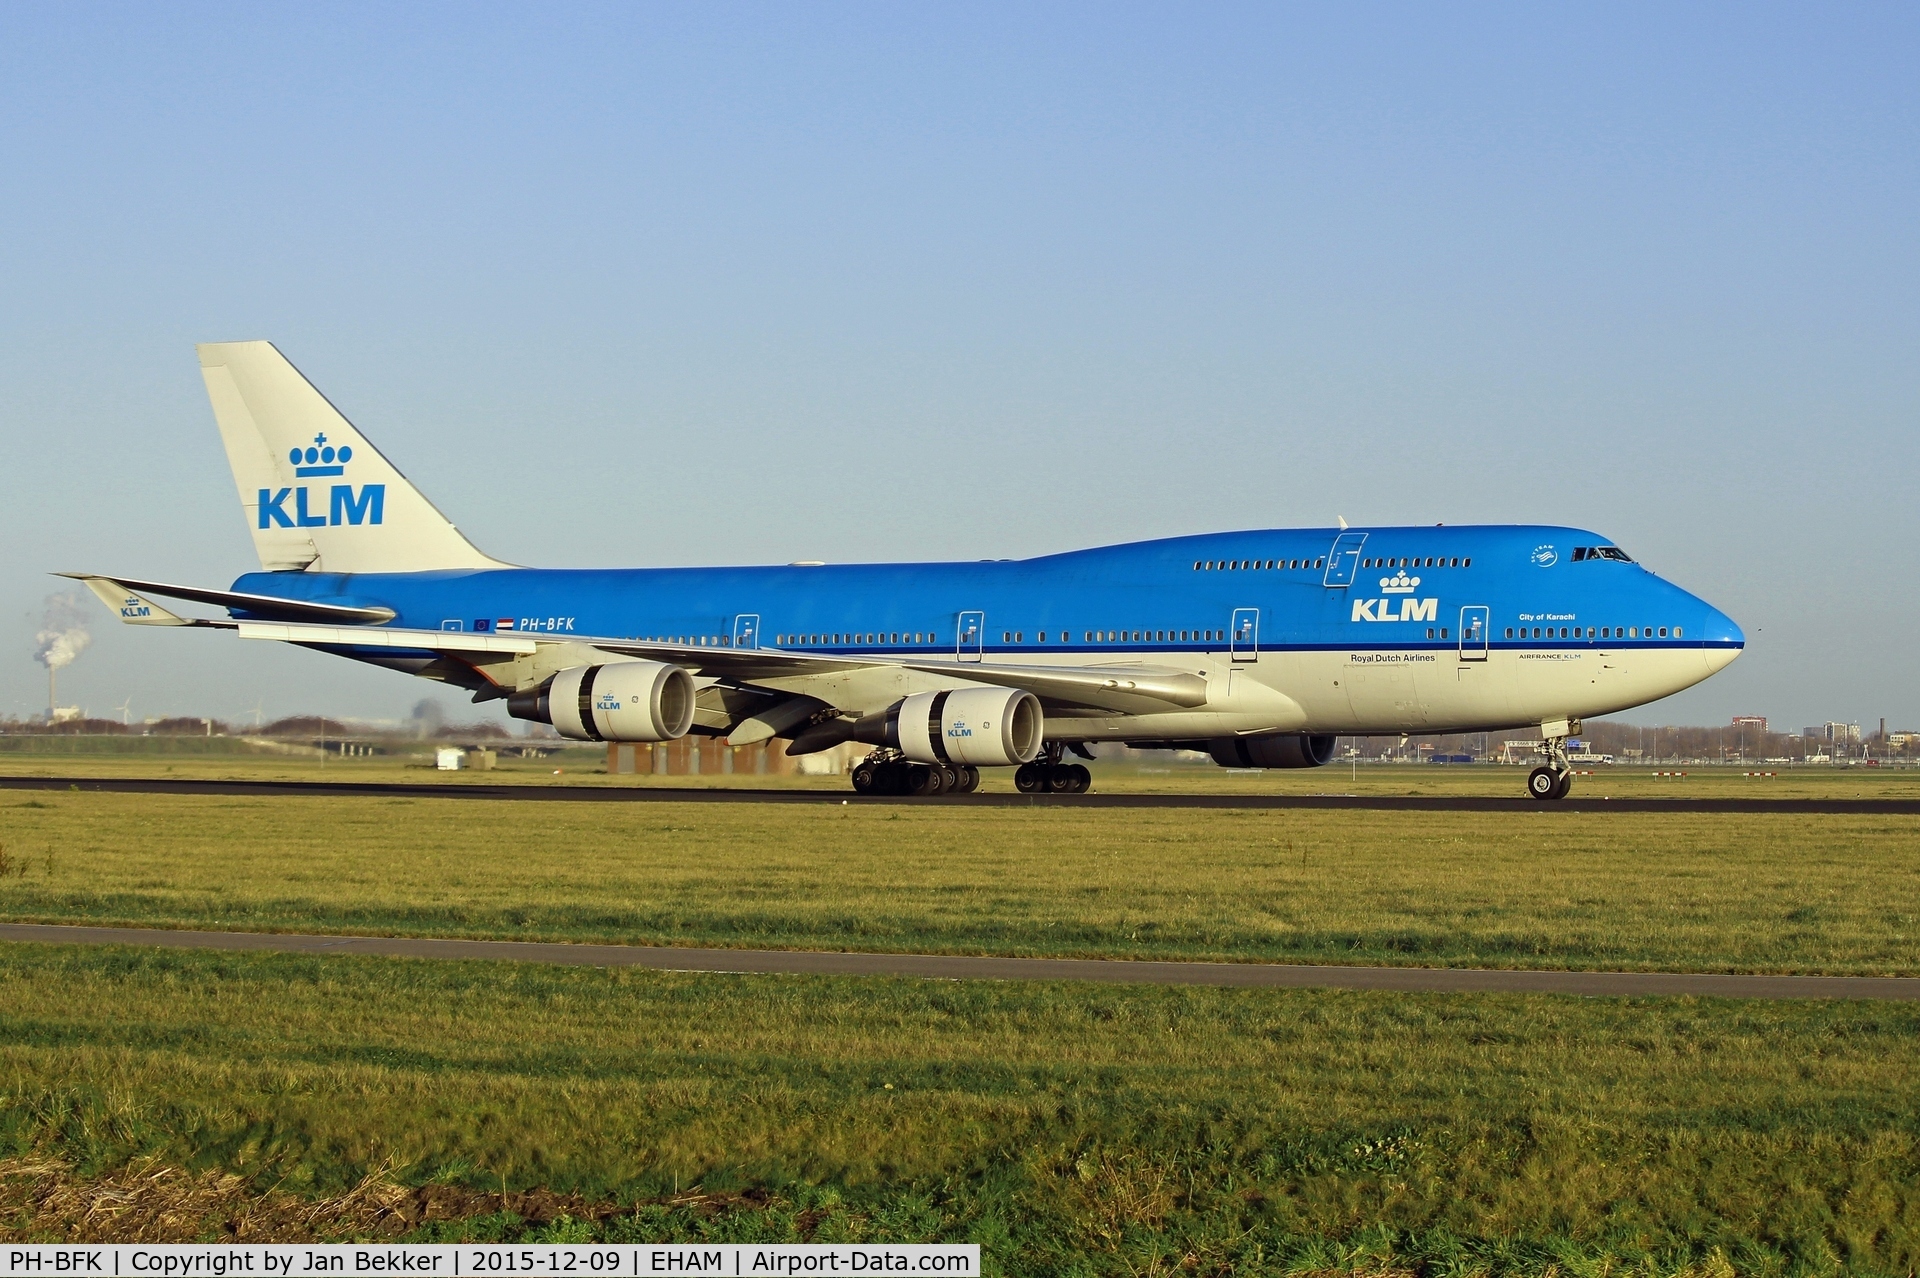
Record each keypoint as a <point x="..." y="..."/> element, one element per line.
<point x="318" y="496"/>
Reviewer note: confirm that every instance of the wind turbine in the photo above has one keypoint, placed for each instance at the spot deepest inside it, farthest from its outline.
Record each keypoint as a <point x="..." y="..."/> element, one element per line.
<point x="125" y="709"/>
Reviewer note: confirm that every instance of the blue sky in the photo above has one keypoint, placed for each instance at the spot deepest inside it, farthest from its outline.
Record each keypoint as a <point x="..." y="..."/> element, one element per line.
<point x="635" y="285"/>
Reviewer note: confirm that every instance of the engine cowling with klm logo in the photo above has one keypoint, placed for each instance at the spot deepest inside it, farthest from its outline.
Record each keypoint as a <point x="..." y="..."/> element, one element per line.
<point x="982" y="727"/>
<point x="619" y="701"/>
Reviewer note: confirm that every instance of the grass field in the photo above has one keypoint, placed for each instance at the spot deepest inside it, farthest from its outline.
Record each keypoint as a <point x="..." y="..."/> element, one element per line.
<point x="1533" y="888"/>
<point x="1067" y="1129"/>
<point x="587" y="766"/>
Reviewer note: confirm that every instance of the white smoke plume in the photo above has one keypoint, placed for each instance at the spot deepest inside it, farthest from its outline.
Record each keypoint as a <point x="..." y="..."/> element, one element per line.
<point x="63" y="632"/>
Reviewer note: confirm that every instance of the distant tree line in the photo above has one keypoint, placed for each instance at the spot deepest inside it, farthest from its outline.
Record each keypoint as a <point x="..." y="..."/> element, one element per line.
<point x="292" y="728"/>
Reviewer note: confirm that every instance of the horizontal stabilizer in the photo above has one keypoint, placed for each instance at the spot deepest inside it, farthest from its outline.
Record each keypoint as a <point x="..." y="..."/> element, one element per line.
<point x="132" y="608"/>
<point x="119" y="594"/>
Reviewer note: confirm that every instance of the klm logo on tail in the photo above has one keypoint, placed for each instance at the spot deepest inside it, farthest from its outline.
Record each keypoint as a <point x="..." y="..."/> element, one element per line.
<point x="343" y="506"/>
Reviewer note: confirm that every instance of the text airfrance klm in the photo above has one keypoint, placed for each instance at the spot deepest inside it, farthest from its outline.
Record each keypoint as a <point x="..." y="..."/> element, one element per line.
<point x="370" y="507"/>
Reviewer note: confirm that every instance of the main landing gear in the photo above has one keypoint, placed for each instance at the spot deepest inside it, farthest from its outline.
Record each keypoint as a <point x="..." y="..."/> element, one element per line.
<point x="1556" y="778"/>
<point x="1049" y="775"/>
<point x="885" y="772"/>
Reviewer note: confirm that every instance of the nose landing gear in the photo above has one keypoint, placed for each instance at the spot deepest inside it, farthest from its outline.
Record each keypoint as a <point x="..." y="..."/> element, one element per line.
<point x="1555" y="779"/>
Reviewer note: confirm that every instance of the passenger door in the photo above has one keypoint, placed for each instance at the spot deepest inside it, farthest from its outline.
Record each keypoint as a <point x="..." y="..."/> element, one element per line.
<point x="970" y="636"/>
<point x="1244" y="641"/>
<point x="1476" y="632"/>
<point x="746" y="630"/>
<point x="1343" y="561"/>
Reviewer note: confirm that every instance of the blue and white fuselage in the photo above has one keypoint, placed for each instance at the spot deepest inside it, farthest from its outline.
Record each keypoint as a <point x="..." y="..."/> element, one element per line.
<point x="1216" y="639"/>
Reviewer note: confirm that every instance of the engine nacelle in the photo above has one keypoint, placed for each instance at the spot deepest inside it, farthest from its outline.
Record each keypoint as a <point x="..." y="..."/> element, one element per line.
<point x="987" y="727"/>
<point x="620" y="701"/>
<point x="1278" y="750"/>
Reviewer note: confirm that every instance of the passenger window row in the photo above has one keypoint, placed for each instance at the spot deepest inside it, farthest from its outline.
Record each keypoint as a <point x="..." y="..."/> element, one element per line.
<point x="893" y="638"/>
<point x="1155" y="636"/>
<point x="1264" y="565"/>
<point x="1605" y="632"/>
<point x="1432" y="561"/>
<point x="902" y="638"/>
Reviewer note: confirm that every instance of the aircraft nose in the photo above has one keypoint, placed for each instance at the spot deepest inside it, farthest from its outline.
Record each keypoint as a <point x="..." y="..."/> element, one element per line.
<point x="1721" y="638"/>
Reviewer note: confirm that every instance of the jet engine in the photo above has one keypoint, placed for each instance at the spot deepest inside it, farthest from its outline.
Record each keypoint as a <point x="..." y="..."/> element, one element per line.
<point x="621" y="701"/>
<point x="1277" y="750"/>
<point x="990" y="727"/>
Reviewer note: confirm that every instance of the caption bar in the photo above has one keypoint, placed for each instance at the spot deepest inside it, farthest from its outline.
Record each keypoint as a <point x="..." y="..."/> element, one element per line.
<point x="450" y="1260"/>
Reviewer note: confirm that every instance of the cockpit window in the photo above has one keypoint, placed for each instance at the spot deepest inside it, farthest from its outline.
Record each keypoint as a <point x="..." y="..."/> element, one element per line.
<point x="1601" y="552"/>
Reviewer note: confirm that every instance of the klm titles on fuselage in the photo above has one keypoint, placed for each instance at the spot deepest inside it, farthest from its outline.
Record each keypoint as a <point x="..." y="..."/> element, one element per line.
<point x="1399" y="609"/>
<point x="343" y="505"/>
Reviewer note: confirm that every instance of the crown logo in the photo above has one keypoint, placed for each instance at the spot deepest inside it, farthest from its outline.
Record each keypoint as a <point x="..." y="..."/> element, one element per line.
<point x="1399" y="584"/>
<point x="320" y="458"/>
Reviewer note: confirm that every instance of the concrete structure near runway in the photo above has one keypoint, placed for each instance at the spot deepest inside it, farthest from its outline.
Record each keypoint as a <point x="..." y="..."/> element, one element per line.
<point x="694" y="756"/>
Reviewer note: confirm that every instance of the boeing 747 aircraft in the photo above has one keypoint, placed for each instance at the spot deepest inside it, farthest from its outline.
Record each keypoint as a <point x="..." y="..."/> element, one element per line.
<point x="1258" y="647"/>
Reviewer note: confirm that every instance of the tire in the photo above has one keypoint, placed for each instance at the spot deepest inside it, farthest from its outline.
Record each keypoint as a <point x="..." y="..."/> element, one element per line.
<point x="1060" y="779"/>
<point x="969" y="779"/>
<point x="890" y="778"/>
<point x="864" y="777"/>
<point x="925" y="782"/>
<point x="950" y="779"/>
<point x="1082" y="779"/>
<point x="1566" y="784"/>
<point x="1545" y="783"/>
<point x="1030" y="779"/>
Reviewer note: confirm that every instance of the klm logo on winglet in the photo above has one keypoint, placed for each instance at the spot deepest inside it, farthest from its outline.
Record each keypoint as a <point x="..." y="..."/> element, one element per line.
<point x="134" y="607"/>
<point x="343" y="506"/>
<point x="1402" y="609"/>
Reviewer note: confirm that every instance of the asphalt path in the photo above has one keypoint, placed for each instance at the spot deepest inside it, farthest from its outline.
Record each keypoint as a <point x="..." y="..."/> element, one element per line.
<point x="537" y="793"/>
<point x="954" y="967"/>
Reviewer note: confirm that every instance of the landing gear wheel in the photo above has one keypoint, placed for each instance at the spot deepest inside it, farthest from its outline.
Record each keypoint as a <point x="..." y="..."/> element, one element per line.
<point x="1566" y="784"/>
<point x="1030" y="779"/>
<point x="969" y="780"/>
<point x="926" y="782"/>
<point x="1546" y="783"/>
<point x="864" y="777"/>
<point x="1082" y="779"/>
<point x="1060" y="779"/>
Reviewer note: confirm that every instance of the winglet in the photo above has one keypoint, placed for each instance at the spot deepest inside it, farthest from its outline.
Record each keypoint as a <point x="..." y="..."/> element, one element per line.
<point x="134" y="609"/>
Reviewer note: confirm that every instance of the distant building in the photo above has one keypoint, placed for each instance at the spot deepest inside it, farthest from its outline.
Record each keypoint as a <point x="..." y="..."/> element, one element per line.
<point x="1758" y="721"/>
<point x="1836" y="732"/>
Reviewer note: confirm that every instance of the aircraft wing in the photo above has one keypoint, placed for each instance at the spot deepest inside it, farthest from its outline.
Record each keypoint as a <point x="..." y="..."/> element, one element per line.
<point x="114" y="592"/>
<point x="1126" y="689"/>
<point x="1122" y="688"/>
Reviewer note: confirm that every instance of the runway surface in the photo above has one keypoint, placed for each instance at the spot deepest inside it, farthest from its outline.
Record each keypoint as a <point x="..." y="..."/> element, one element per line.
<point x="696" y="794"/>
<point x="967" y="968"/>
